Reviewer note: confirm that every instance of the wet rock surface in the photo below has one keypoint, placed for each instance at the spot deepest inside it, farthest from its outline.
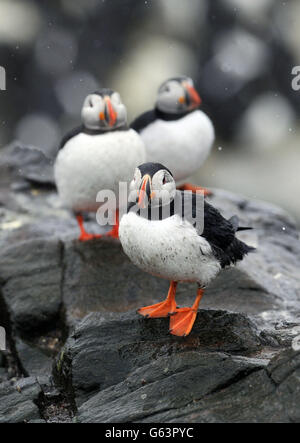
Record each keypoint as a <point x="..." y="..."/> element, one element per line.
<point x="18" y="401"/>
<point x="79" y="352"/>
<point x="117" y="345"/>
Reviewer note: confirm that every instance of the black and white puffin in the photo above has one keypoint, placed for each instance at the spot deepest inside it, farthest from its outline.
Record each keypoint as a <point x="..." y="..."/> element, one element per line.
<point x="176" y="132"/>
<point x="174" y="235"/>
<point x="98" y="155"/>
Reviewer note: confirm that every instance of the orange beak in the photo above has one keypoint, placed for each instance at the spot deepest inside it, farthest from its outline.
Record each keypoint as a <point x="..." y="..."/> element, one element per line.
<point x="145" y="190"/>
<point x="194" y="97"/>
<point x="110" y="114"/>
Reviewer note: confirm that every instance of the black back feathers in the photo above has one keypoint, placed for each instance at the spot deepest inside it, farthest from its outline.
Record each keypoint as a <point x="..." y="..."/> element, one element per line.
<point x="152" y="168"/>
<point x="220" y="233"/>
<point x="104" y="91"/>
<point x="149" y="117"/>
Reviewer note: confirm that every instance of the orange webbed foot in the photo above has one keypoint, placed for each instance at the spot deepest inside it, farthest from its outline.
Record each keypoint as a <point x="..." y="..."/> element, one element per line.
<point x="163" y="309"/>
<point x="84" y="237"/>
<point x="181" y="323"/>
<point x="114" y="233"/>
<point x="159" y="310"/>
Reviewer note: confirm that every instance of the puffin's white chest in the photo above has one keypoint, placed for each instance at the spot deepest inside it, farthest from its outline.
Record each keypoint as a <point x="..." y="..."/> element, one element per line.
<point x="181" y="145"/>
<point x="169" y="248"/>
<point x="90" y="163"/>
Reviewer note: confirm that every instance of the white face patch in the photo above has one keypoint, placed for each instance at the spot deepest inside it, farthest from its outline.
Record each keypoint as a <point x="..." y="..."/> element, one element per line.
<point x="171" y="96"/>
<point x="92" y="107"/>
<point x="163" y="187"/>
<point x="96" y="112"/>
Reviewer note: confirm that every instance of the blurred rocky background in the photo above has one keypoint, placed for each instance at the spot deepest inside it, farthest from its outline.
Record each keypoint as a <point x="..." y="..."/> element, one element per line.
<point x="240" y="53"/>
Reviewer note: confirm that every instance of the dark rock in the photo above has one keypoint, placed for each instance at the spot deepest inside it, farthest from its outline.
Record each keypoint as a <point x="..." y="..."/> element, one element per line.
<point x="3" y="368"/>
<point x="167" y="383"/>
<point x="246" y="400"/>
<point x="53" y="405"/>
<point x="100" y="277"/>
<point x="31" y="273"/>
<point x="19" y="163"/>
<point x="283" y="365"/>
<point x="3" y="373"/>
<point x="255" y="398"/>
<point x="105" y="348"/>
<point x="18" y="399"/>
<point x="288" y="389"/>
<point x="34" y="361"/>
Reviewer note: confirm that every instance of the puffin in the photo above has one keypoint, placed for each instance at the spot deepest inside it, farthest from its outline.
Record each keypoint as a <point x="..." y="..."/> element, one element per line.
<point x="179" y="236"/>
<point x="176" y="132"/>
<point x="96" y="156"/>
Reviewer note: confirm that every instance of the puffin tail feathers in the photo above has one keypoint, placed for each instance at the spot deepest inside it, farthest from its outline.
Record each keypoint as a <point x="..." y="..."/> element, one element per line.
<point x="244" y="228"/>
<point x="235" y="223"/>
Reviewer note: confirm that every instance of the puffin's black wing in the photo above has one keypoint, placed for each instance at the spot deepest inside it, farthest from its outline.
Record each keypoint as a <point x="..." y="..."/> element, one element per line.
<point x="70" y="135"/>
<point x="219" y="232"/>
<point x="143" y="120"/>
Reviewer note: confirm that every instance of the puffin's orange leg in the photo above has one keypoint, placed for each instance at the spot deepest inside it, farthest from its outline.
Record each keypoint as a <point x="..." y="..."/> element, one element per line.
<point x="114" y="233"/>
<point x="182" y="321"/>
<point x="85" y="236"/>
<point x="194" y="188"/>
<point x="163" y="309"/>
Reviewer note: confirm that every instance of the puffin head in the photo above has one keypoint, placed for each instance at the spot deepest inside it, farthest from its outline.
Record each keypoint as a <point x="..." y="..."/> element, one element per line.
<point x="152" y="185"/>
<point x="177" y="95"/>
<point x="103" y="110"/>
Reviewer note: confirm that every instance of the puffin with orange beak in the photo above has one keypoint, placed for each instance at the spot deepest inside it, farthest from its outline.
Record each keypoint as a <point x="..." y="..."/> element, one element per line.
<point x="96" y="156"/>
<point x="178" y="236"/>
<point x="176" y="132"/>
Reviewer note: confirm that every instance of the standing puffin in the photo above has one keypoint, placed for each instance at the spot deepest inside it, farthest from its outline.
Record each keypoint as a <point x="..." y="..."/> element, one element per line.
<point x="98" y="155"/>
<point x="163" y="234"/>
<point x="176" y="132"/>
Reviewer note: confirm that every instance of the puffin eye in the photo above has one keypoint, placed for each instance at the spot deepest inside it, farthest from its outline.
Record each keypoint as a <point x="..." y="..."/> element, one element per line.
<point x="91" y="103"/>
<point x="164" y="180"/>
